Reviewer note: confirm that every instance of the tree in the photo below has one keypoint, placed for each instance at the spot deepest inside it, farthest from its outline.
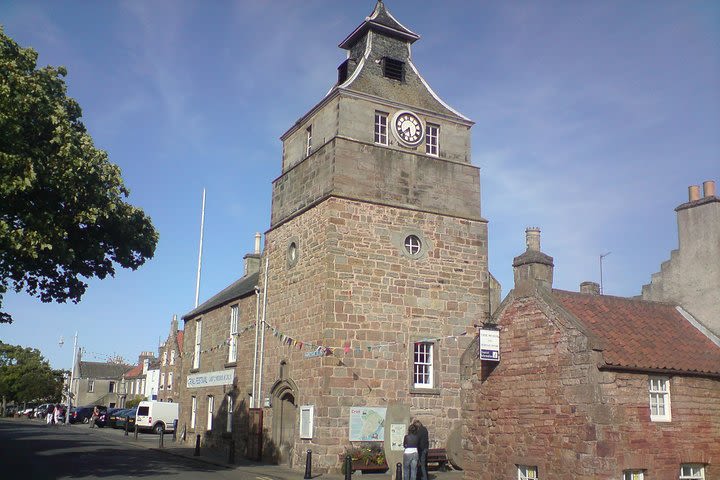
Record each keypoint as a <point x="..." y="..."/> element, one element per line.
<point x="63" y="215"/>
<point x="26" y="376"/>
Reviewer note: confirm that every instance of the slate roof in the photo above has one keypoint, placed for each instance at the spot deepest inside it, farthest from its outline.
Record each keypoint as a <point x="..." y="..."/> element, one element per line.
<point x="102" y="370"/>
<point x="638" y="334"/>
<point x="236" y="290"/>
<point x="380" y="20"/>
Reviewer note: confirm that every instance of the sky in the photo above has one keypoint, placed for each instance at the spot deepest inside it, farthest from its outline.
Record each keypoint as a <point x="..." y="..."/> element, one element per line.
<point x="591" y="121"/>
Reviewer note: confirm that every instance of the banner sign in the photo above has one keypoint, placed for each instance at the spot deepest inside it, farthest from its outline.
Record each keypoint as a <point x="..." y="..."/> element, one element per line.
<point x="211" y="379"/>
<point x="490" y="345"/>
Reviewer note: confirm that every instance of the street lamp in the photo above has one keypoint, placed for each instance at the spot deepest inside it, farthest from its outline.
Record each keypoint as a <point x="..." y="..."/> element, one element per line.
<point x="72" y="377"/>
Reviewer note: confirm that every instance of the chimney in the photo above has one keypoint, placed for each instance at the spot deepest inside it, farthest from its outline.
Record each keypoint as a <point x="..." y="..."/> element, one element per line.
<point x="173" y="326"/>
<point x="533" y="269"/>
<point x="590" y="288"/>
<point x="252" y="260"/>
<point x="708" y="188"/>
<point x="693" y="193"/>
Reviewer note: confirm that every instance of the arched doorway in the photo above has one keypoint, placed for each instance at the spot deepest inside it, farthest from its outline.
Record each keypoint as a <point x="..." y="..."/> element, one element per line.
<point x="284" y="408"/>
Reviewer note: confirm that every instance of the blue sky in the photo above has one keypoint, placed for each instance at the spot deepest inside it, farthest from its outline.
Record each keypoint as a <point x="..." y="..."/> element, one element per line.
<point x="592" y="119"/>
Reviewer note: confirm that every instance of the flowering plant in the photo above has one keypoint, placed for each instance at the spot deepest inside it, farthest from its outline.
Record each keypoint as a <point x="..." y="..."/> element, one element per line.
<point x="370" y="453"/>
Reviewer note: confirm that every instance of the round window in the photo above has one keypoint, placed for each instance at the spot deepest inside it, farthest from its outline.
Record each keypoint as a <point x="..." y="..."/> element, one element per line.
<point x="413" y="245"/>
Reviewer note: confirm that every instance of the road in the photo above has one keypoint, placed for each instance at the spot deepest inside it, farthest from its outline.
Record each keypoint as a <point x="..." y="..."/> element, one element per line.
<point x="34" y="451"/>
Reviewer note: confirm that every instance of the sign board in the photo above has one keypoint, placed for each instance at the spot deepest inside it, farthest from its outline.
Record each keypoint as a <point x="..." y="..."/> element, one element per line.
<point x="490" y="345"/>
<point x="397" y="435"/>
<point x="367" y="424"/>
<point x="315" y="353"/>
<point x="211" y="379"/>
<point x="306" y="421"/>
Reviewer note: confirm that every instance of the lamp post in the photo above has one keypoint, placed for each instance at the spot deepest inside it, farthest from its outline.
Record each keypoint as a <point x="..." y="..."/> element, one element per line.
<point x="72" y="377"/>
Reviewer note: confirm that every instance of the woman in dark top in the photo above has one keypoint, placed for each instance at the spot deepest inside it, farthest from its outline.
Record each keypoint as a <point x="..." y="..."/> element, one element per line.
<point x="410" y="456"/>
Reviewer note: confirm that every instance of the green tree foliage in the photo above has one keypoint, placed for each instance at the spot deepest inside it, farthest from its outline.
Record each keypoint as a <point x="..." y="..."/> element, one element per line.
<point x="62" y="211"/>
<point x="26" y="376"/>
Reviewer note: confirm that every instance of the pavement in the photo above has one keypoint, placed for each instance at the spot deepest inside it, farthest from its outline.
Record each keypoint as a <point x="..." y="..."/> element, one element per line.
<point x="215" y="457"/>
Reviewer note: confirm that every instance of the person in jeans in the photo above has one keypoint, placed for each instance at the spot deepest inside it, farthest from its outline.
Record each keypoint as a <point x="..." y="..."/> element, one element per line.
<point x="423" y="445"/>
<point x="94" y="417"/>
<point x="410" y="455"/>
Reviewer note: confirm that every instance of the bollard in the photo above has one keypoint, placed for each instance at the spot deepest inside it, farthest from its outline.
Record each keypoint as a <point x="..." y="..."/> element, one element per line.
<point x="197" y="446"/>
<point x="136" y="430"/>
<point x="348" y="467"/>
<point x="231" y="452"/>
<point x="308" y="465"/>
<point x="175" y="422"/>
<point x="398" y="471"/>
<point x="161" y="440"/>
<point x="126" y="428"/>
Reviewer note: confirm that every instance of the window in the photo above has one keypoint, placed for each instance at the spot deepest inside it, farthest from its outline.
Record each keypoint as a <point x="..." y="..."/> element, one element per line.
<point x="162" y="381"/>
<point x="423" y="365"/>
<point x="659" y="399"/>
<point x="142" y="386"/>
<point x="170" y="380"/>
<point x="198" y="336"/>
<point x="525" y="472"/>
<point x="232" y="351"/>
<point x="431" y="139"/>
<point x="91" y="386"/>
<point x="308" y="143"/>
<point x="413" y="244"/>
<point x="394" y="69"/>
<point x="228" y="420"/>
<point x="164" y="360"/>
<point x="211" y="408"/>
<point x="692" y="471"/>
<point x="111" y="387"/>
<point x="381" y="135"/>
<point x="193" y="412"/>
<point x="172" y="357"/>
<point x="633" y="475"/>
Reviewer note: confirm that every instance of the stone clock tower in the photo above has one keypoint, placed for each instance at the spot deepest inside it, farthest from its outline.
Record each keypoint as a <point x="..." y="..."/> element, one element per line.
<point x="377" y="256"/>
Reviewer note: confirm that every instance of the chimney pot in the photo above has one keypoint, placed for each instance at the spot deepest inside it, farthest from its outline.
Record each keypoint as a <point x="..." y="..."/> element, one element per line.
<point x="532" y="238"/>
<point x="257" y="242"/>
<point x="693" y="193"/>
<point x="709" y="188"/>
<point x="591" y="288"/>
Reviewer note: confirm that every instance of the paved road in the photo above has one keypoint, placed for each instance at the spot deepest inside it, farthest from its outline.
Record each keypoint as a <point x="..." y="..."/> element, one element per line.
<point x="34" y="451"/>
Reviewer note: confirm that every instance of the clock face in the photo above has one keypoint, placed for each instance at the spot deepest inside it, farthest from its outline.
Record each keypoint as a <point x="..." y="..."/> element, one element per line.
<point x="408" y="128"/>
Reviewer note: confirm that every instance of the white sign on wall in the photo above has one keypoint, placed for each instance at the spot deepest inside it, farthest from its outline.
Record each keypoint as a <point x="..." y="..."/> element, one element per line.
<point x="306" y="421"/>
<point x="367" y="424"/>
<point x="490" y="345"/>
<point x="211" y="379"/>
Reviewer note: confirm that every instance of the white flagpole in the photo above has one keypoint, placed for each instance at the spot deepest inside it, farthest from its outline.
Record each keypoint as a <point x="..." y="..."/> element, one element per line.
<point x="72" y="377"/>
<point x="202" y="229"/>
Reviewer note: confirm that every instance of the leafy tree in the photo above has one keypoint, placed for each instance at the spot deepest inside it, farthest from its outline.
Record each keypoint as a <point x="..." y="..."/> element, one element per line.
<point x="26" y="376"/>
<point x="63" y="217"/>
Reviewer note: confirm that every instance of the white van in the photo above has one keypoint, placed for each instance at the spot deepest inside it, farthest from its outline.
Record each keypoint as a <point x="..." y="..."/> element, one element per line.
<point x="157" y="416"/>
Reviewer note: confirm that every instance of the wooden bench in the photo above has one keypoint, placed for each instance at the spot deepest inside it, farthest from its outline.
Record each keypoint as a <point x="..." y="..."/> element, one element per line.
<point x="439" y="456"/>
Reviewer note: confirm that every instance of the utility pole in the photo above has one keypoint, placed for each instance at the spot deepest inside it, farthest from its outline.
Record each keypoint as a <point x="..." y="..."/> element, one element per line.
<point x="72" y="377"/>
<point x="603" y="255"/>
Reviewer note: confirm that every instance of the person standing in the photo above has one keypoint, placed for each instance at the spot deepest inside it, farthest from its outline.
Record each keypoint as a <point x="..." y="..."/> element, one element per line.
<point x="49" y="414"/>
<point x="423" y="445"/>
<point x="410" y="455"/>
<point x="94" y="417"/>
<point x="57" y="413"/>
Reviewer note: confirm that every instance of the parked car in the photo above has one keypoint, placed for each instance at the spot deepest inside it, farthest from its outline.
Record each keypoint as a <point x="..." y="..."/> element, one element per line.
<point x="83" y="414"/>
<point x="157" y="416"/>
<point x="42" y="410"/>
<point x="111" y="416"/>
<point x="127" y="416"/>
<point x="28" y="411"/>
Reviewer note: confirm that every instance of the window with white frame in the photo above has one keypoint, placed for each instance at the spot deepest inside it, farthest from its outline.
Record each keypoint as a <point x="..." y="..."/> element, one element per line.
<point x="162" y="381"/>
<point x="431" y="139"/>
<point x="232" y="350"/>
<point x="193" y="412"/>
<point x="198" y="337"/>
<point x="170" y="380"/>
<point x="381" y="135"/>
<point x="228" y="420"/>
<point x="210" y="411"/>
<point x="692" y="471"/>
<point x="423" y="365"/>
<point x="164" y="360"/>
<point x="142" y="386"/>
<point x="111" y="387"/>
<point x="91" y="386"/>
<point x="659" y="399"/>
<point x="308" y="142"/>
<point x="172" y="357"/>
<point x="633" y="475"/>
<point x="526" y="472"/>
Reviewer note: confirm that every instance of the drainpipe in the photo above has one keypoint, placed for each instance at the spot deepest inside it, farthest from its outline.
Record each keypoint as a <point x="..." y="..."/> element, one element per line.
<point x="262" y="333"/>
<point x="253" y="400"/>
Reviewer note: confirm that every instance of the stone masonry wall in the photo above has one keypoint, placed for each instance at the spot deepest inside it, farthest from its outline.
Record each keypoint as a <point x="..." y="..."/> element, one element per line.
<point x="546" y="404"/>
<point x="354" y="288"/>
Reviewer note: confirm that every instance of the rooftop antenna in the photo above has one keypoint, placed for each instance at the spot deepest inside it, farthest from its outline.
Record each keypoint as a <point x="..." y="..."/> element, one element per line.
<point x="602" y="255"/>
<point x="202" y="229"/>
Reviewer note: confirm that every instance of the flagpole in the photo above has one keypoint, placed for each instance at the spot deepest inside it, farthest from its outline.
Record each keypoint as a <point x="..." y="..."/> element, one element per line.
<point x="72" y="376"/>
<point x="202" y="229"/>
